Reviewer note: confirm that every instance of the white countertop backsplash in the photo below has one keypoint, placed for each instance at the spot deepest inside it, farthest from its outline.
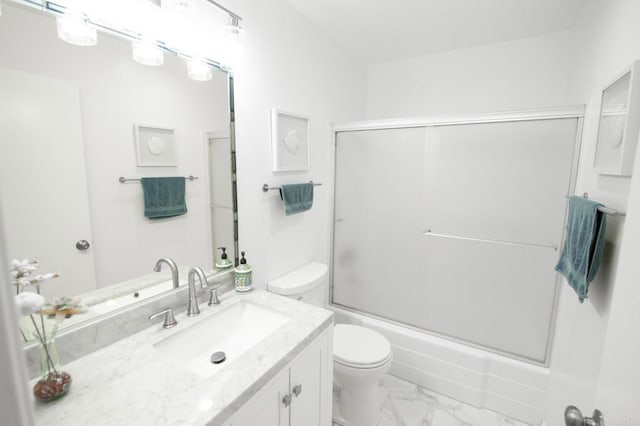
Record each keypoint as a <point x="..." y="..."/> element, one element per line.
<point x="130" y="382"/>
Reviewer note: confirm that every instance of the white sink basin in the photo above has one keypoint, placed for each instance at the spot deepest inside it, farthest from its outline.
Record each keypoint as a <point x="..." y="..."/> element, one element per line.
<point x="233" y="330"/>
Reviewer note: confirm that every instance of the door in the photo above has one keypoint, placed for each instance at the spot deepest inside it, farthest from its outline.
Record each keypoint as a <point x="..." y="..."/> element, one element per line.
<point x="266" y="408"/>
<point x="222" y="218"/>
<point x="41" y="135"/>
<point x="309" y="385"/>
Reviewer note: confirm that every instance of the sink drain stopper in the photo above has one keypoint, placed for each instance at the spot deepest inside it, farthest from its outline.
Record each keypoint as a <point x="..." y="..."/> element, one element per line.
<point x="218" y="357"/>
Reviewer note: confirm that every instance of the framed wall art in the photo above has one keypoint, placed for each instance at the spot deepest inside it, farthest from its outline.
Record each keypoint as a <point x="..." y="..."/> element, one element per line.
<point x="619" y="124"/>
<point x="155" y="146"/>
<point x="289" y="141"/>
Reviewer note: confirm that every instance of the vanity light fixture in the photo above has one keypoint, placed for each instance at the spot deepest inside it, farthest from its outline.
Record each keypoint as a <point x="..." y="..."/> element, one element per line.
<point x="147" y="52"/>
<point x="198" y="70"/>
<point x="75" y="28"/>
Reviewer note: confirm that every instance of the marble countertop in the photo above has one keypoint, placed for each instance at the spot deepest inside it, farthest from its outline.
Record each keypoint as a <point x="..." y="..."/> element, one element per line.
<point x="129" y="382"/>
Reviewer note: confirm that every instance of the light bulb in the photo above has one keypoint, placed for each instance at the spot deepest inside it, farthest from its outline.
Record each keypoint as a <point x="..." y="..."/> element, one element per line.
<point x="198" y="70"/>
<point x="147" y="52"/>
<point x="74" y="28"/>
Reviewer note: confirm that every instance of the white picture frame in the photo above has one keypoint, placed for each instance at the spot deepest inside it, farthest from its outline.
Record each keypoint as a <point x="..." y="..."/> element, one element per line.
<point x="155" y="146"/>
<point x="289" y="141"/>
<point x="619" y="124"/>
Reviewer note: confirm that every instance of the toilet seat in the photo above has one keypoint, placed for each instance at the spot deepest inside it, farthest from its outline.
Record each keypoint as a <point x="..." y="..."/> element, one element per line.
<point x="360" y="347"/>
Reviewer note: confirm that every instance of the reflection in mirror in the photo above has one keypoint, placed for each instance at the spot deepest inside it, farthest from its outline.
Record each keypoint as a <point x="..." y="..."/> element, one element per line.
<point x="69" y="116"/>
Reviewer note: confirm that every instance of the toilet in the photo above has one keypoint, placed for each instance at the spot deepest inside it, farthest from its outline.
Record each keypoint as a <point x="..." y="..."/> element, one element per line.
<point x="361" y="356"/>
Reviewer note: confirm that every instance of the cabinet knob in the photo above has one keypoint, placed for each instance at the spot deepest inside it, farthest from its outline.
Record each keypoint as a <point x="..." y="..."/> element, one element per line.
<point x="287" y="400"/>
<point x="297" y="390"/>
<point x="82" y="245"/>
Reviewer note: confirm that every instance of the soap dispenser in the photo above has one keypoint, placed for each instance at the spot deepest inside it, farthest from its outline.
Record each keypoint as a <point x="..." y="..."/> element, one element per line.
<point x="243" y="276"/>
<point x="223" y="262"/>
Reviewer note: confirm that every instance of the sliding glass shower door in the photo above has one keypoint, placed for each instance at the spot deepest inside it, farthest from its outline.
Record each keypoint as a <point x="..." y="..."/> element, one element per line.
<point x="455" y="229"/>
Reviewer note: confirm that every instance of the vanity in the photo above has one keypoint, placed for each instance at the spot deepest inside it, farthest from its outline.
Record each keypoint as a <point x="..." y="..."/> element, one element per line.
<point x="284" y="376"/>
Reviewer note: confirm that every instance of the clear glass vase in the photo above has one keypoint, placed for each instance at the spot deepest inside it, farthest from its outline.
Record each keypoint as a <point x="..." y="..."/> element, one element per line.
<point x="54" y="383"/>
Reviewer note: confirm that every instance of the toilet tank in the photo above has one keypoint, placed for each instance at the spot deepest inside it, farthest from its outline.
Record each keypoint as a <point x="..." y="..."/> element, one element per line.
<point x="308" y="283"/>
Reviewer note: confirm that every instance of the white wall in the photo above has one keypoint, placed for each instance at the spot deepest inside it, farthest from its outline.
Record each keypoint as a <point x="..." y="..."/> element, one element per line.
<point x="595" y="359"/>
<point x="526" y="73"/>
<point x="287" y="64"/>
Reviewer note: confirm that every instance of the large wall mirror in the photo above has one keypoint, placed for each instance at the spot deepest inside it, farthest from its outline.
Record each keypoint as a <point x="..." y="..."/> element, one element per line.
<point x="70" y="125"/>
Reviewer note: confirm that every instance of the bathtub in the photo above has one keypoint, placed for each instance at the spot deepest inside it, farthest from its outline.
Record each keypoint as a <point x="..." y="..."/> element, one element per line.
<point x="479" y="378"/>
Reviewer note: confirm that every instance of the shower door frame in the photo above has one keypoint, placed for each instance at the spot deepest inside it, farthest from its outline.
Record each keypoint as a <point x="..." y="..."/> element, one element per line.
<point x="572" y="112"/>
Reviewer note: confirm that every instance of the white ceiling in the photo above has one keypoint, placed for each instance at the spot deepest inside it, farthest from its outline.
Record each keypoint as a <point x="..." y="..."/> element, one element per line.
<point x="382" y="30"/>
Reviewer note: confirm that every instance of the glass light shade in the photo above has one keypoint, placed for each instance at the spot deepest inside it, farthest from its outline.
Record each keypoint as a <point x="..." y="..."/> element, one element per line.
<point x="198" y="70"/>
<point x="147" y="52"/>
<point x="75" y="28"/>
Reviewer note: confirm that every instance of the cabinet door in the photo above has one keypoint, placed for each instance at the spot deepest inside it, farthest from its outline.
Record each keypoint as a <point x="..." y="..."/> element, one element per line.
<point x="310" y="383"/>
<point x="266" y="408"/>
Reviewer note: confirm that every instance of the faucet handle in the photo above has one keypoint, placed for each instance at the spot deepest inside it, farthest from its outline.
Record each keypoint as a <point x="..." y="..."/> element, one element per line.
<point x="213" y="297"/>
<point x="169" y="319"/>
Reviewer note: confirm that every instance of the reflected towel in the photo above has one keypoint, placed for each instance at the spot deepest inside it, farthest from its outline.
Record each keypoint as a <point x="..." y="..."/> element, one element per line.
<point x="163" y="197"/>
<point x="297" y="198"/>
<point x="583" y="245"/>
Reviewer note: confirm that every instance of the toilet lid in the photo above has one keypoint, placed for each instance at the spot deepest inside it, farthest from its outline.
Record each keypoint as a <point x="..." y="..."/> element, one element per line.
<point x="359" y="346"/>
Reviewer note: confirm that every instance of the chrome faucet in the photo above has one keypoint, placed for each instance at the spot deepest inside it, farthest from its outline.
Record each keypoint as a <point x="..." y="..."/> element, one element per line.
<point x="193" y="309"/>
<point x="174" y="269"/>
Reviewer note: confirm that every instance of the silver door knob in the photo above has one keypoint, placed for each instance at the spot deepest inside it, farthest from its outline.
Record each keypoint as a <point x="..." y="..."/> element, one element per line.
<point x="573" y="417"/>
<point x="82" y="245"/>
<point x="287" y="400"/>
<point x="297" y="390"/>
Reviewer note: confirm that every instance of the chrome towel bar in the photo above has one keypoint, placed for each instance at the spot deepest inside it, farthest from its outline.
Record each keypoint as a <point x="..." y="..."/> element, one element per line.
<point x="122" y="179"/>
<point x="603" y="209"/>
<point x="266" y="187"/>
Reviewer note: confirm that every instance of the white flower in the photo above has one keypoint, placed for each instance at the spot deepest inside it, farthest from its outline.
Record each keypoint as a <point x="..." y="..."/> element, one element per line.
<point x="24" y="266"/>
<point x="29" y="302"/>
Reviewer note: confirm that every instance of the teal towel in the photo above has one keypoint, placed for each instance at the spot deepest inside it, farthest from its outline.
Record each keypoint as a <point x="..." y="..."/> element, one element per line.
<point x="297" y="198"/>
<point x="583" y="245"/>
<point x="163" y="197"/>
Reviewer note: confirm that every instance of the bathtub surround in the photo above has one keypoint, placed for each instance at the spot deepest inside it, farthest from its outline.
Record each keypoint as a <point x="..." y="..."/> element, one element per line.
<point x="477" y="237"/>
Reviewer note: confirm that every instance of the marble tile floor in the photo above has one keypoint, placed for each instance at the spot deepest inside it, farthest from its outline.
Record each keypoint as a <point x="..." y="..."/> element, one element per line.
<point x="406" y="404"/>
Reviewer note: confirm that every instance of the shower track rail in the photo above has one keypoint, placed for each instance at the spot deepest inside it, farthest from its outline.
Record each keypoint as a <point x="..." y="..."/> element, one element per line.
<point x="428" y="232"/>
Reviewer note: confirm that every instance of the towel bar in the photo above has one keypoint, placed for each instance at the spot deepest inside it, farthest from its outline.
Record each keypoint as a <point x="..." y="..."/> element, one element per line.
<point x="266" y="187"/>
<point x="484" y="240"/>
<point x="122" y="179"/>
<point x="603" y="209"/>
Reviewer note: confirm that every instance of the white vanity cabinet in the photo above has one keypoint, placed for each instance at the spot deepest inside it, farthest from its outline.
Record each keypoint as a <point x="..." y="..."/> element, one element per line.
<point x="300" y="395"/>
